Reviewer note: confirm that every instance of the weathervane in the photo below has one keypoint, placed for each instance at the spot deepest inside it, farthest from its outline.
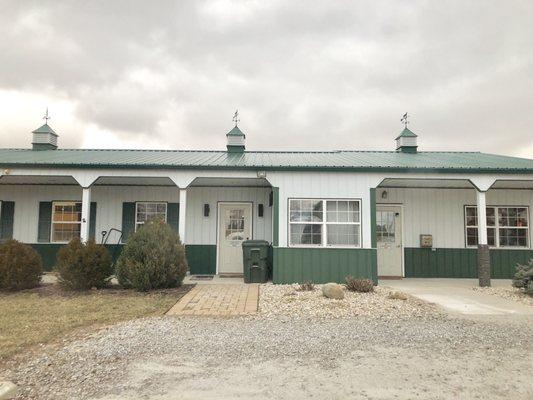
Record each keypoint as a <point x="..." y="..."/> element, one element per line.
<point x="404" y="120"/>
<point x="236" y="117"/>
<point x="46" y="117"/>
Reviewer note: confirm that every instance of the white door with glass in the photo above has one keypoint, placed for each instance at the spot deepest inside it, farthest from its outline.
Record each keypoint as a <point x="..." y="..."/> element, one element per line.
<point x="389" y="240"/>
<point x="234" y="227"/>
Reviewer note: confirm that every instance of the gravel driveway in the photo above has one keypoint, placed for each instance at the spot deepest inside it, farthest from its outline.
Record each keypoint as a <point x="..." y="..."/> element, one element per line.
<point x="282" y="357"/>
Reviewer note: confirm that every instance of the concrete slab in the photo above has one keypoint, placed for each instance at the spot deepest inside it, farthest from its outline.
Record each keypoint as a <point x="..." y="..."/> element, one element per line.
<point x="457" y="296"/>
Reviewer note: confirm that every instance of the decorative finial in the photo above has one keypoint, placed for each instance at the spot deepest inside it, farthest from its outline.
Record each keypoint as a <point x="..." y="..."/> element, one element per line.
<point x="46" y="117"/>
<point x="236" y="117"/>
<point x="404" y="119"/>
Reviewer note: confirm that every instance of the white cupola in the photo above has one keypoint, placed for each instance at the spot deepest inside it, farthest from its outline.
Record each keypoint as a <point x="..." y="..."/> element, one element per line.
<point x="44" y="138"/>
<point x="407" y="142"/>
<point x="235" y="139"/>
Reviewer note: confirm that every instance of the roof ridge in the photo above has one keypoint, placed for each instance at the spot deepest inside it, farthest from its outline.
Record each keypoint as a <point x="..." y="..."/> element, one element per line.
<point x="261" y="151"/>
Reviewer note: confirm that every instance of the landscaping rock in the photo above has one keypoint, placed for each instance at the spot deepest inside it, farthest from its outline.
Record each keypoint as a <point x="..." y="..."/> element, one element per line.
<point x="333" y="291"/>
<point x="398" y="296"/>
<point x="8" y="390"/>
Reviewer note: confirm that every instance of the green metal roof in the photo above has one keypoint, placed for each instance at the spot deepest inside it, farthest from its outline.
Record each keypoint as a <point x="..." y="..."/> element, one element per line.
<point x="406" y="133"/>
<point x="45" y="129"/>
<point x="267" y="160"/>
<point x="235" y="132"/>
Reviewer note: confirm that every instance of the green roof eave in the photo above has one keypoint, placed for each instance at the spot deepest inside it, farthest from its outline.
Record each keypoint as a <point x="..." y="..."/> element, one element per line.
<point x="406" y="133"/>
<point x="277" y="168"/>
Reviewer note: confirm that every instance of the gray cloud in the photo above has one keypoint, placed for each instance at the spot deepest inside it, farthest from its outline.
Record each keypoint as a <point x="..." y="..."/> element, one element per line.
<point x="305" y="76"/>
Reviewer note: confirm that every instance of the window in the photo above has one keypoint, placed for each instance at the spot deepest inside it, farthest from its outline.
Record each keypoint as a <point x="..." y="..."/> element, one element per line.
<point x="506" y="226"/>
<point x="325" y="223"/>
<point x="66" y="221"/>
<point x="146" y="211"/>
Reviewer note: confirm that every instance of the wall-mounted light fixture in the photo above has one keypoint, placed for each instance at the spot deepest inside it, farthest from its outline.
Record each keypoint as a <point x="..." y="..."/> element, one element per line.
<point x="271" y="199"/>
<point x="261" y="174"/>
<point x="260" y="210"/>
<point x="206" y="210"/>
<point x="384" y="194"/>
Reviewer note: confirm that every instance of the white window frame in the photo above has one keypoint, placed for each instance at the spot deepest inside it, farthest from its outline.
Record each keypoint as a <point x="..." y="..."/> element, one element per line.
<point x="145" y="203"/>
<point x="65" y="202"/>
<point x="324" y="223"/>
<point x="497" y="228"/>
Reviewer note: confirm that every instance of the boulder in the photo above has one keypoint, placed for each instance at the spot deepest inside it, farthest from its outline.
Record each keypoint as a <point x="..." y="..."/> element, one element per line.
<point x="8" y="390"/>
<point x="398" y="296"/>
<point x="333" y="291"/>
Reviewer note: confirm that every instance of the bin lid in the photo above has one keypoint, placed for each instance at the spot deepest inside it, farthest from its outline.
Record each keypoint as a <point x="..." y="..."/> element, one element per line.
<point x="255" y="243"/>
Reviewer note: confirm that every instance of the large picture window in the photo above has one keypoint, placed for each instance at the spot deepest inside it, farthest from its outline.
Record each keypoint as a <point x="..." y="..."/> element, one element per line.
<point x="145" y="211"/>
<point x="506" y="226"/>
<point x="324" y="222"/>
<point x="66" y="221"/>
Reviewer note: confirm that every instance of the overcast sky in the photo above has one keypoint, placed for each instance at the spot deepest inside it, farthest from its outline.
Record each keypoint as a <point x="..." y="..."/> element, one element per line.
<point x="304" y="75"/>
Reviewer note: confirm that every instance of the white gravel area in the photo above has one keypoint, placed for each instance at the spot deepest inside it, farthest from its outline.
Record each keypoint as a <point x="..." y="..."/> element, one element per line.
<point x="510" y="293"/>
<point x="279" y="300"/>
<point x="285" y="356"/>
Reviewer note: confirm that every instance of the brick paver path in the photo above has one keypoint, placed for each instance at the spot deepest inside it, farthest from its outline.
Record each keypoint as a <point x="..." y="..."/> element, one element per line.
<point x="218" y="300"/>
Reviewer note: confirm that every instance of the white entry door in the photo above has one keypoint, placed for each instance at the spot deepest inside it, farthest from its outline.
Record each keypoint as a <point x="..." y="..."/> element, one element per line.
<point x="389" y="240"/>
<point x="234" y="226"/>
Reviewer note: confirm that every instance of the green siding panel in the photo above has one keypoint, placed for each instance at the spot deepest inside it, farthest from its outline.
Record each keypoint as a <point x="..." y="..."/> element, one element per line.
<point x="296" y="265"/>
<point x="202" y="258"/>
<point x="45" y="222"/>
<point x="460" y="263"/>
<point x="48" y="253"/>
<point x="7" y="213"/>
<point x="503" y="262"/>
<point x="128" y="220"/>
<point x="275" y="216"/>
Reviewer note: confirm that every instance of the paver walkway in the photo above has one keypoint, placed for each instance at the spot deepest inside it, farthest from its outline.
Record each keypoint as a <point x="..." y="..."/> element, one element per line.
<point x="218" y="300"/>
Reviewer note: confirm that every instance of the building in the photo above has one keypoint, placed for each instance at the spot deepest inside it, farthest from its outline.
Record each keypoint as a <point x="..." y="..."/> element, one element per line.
<point x="327" y="214"/>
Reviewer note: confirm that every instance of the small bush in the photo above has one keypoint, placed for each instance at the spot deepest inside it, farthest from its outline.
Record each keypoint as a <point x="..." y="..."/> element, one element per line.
<point x="307" y="286"/>
<point x="83" y="266"/>
<point x="21" y="266"/>
<point x="523" y="277"/>
<point x="153" y="258"/>
<point x="359" y="285"/>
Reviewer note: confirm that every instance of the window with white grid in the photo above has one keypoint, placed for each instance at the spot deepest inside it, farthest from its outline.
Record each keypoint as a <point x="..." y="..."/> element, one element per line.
<point x="507" y="226"/>
<point x="324" y="222"/>
<point x="145" y="211"/>
<point x="66" y="221"/>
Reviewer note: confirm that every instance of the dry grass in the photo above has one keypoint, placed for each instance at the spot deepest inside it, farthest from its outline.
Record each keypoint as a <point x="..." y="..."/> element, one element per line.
<point x="40" y="315"/>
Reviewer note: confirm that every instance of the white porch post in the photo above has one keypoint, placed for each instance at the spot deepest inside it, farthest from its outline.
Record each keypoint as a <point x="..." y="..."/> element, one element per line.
<point x="183" y="215"/>
<point x="85" y="214"/>
<point x="483" y="254"/>
<point x="481" y="217"/>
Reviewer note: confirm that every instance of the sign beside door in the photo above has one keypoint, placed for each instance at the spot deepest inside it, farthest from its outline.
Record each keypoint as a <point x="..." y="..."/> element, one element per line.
<point x="234" y="227"/>
<point x="389" y="240"/>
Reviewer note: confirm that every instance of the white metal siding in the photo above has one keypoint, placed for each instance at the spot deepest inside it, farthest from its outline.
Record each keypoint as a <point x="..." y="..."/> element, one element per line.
<point x="440" y="212"/>
<point x="109" y="199"/>
<point x="337" y="185"/>
<point x="203" y="230"/>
